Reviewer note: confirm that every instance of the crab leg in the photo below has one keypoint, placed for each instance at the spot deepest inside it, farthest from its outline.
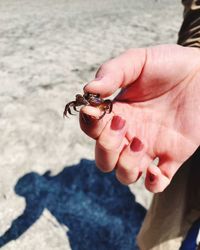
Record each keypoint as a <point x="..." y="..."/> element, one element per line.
<point x="109" y="105"/>
<point x="104" y="112"/>
<point x="67" y="109"/>
<point x="70" y="112"/>
<point x="75" y="109"/>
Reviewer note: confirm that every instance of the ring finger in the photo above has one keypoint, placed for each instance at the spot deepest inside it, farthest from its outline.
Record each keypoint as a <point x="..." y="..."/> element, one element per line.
<point x="132" y="162"/>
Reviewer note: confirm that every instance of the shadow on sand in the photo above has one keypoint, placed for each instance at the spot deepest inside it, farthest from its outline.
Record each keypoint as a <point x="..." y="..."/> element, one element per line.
<point x="99" y="212"/>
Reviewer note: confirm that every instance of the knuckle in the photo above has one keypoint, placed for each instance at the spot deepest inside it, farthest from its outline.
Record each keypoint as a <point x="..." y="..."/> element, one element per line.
<point x="103" y="167"/>
<point x="122" y="179"/>
<point x="106" y="145"/>
<point x="128" y="179"/>
<point x="126" y="174"/>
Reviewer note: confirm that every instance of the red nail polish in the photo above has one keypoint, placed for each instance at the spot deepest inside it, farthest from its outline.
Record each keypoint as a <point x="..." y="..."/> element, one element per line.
<point x="152" y="177"/>
<point x="136" y="145"/>
<point x="117" y="123"/>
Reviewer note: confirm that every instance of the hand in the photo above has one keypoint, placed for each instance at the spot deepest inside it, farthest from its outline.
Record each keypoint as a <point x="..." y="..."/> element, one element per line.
<point x="156" y="114"/>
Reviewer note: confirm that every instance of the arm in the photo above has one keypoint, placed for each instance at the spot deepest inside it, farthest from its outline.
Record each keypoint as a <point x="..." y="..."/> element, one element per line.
<point x="22" y="223"/>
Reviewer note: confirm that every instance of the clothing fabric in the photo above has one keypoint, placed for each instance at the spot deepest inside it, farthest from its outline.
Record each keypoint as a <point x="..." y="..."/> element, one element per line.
<point x="175" y="210"/>
<point x="191" y="240"/>
<point x="189" y="34"/>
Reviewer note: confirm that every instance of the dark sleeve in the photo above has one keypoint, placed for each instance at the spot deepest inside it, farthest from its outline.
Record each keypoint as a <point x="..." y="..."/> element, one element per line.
<point x="189" y="34"/>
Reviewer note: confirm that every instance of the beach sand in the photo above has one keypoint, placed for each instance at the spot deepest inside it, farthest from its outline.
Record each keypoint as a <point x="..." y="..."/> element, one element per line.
<point x="48" y="51"/>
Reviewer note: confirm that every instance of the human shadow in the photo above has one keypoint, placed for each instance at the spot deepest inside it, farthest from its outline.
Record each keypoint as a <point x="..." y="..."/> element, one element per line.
<point x="99" y="212"/>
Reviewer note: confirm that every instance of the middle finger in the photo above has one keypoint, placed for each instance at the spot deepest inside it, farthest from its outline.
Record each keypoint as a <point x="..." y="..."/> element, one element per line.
<point x="110" y="143"/>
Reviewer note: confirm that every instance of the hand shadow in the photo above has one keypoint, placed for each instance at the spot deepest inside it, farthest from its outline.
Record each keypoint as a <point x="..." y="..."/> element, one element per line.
<point x="100" y="212"/>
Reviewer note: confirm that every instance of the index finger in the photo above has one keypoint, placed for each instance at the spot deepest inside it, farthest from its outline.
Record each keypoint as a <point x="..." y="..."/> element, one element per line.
<point x="90" y="123"/>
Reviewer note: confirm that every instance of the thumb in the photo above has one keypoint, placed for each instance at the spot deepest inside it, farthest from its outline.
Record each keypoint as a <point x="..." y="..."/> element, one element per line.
<point x="118" y="72"/>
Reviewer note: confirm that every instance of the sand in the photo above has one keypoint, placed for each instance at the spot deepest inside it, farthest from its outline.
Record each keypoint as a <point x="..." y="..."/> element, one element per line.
<point x="48" y="51"/>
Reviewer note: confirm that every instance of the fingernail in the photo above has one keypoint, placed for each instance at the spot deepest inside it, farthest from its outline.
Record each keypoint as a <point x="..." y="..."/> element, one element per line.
<point x="136" y="145"/>
<point x="87" y="119"/>
<point x="152" y="177"/>
<point x="98" y="78"/>
<point x="117" y="123"/>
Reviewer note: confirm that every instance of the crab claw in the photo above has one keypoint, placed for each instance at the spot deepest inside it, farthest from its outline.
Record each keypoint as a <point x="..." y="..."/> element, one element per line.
<point x="67" y="109"/>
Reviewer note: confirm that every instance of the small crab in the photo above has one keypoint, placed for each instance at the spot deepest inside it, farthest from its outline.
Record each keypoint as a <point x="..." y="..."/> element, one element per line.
<point x="89" y="99"/>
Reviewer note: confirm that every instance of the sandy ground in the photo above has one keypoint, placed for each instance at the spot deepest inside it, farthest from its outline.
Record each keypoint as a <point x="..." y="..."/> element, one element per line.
<point x="48" y="50"/>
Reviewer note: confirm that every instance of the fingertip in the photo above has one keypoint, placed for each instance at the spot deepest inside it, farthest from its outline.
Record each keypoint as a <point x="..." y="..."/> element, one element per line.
<point x="127" y="177"/>
<point x="103" y="85"/>
<point x="151" y="179"/>
<point x="103" y="168"/>
<point x="88" y="117"/>
<point x="95" y="86"/>
<point x="90" y="122"/>
<point x="155" y="181"/>
<point x="94" y="112"/>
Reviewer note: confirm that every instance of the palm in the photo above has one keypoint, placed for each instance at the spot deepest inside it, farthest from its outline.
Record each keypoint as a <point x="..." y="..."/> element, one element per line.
<point x="164" y="105"/>
<point x="157" y="124"/>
